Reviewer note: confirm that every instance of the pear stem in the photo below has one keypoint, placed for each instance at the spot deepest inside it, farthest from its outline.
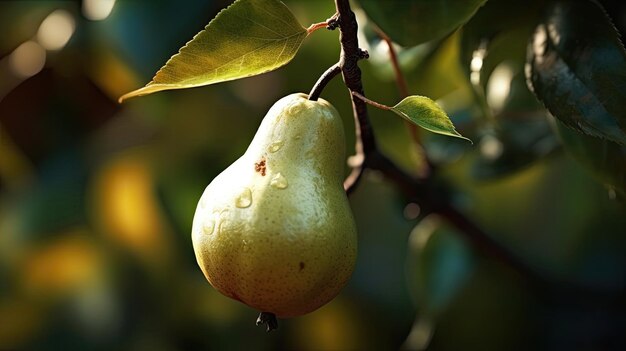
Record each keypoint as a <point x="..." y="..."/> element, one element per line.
<point x="323" y="80"/>
<point x="269" y="319"/>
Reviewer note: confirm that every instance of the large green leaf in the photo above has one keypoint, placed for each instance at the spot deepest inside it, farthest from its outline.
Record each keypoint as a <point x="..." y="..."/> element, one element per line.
<point x="604" y="159"/>
<point x="427" y="114"/>
<point x="577" y="68"/>
<point x="249" y="37"/>
<point x="412" y="22"/>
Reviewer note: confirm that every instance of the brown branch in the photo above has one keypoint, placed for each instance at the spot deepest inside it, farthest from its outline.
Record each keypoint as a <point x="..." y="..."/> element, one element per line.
<point x="348" y="61"/>
<point x="425" y="166"/>
<point x="403" y="87"/>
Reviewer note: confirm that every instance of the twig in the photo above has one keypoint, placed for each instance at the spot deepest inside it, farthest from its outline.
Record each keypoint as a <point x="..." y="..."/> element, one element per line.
<point x="425" y="166"/>
<point x="330" y="24"/>
<point x="371" y="102"/>
<point x="326" y="77"/>
<point x="403" y="87"/>
<point x="315" y="26"/>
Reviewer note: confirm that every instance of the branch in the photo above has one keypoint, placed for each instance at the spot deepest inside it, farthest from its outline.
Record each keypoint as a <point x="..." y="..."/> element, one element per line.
<point x="403" y="88"/>
<point x="425" y="167"/>
<point x="348" y="61"/>
<point x="432" y="196"/>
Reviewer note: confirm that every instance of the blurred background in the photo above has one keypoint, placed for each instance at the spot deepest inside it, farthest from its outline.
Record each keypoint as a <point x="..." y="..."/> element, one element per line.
<point x="97" y="198"/>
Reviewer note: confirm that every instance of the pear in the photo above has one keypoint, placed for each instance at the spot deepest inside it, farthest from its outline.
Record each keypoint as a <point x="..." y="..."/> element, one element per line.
<point x="275" y="230"/>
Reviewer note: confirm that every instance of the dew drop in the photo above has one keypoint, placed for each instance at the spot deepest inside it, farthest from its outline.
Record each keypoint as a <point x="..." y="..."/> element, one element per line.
<point x="275" y="146"/>
<point x="244" y="199"/>
<point x="208" y="226"/>
<point x="279" y="181"/>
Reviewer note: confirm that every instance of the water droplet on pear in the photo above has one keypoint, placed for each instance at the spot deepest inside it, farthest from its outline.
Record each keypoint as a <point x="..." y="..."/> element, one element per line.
<point x="208" y="226"/>
<point x="244" y="199"/>
<point x="279" y="181"/>
<point x="275" y="146"/>
<point x="246" y="247"/>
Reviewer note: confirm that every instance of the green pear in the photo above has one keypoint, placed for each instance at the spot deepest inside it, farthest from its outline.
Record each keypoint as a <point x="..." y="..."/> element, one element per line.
<point x="275" y="230"/>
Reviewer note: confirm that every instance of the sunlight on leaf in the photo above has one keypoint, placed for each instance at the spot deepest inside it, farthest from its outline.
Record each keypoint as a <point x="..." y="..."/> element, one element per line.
<point x="577" y="68"/>
<point x="248" y="38"/>
<point x="427" y="114"/>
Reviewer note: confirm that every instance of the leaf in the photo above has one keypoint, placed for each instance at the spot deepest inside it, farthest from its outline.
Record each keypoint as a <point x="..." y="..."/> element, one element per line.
<point x="427" y="114"/>
<point x="412" y="22"/>
<point x="248" y="38"/>
<point x="439" y="265"/>
<point x="577" y="68"/>
<point x="604" y="159"/>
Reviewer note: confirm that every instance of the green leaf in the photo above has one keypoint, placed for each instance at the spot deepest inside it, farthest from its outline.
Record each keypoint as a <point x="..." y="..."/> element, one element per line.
<point x="248" y="38"/>
<point x="427" y="114"/>
<point x="412" y="22"/>
<point x="604" y="159"/>
<point x="577" y="68"/>
<point x="439" y="265"/>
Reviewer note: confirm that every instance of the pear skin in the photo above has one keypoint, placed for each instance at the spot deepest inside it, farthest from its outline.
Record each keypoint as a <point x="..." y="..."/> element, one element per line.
<point x="275" y="229"/>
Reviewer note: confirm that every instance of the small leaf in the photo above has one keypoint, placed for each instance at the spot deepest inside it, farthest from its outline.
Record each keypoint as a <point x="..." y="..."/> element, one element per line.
<point x="427" y="114"/>
<point x="412" y="22"/>
<point x="577" y="68"/>
<point x="248" y="38"/>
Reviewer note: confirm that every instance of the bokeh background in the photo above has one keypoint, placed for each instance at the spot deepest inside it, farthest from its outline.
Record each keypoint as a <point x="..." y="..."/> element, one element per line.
<point x="97" y="198"/>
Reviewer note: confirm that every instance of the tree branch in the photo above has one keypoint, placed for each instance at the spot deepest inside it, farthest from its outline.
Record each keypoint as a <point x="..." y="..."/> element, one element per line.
<point x="348" y="61"/>
<point x="432" y="198"/>
<point x="432" y="195"/>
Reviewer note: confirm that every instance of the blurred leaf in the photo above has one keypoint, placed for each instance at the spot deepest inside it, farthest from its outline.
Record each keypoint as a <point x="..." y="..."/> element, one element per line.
<point x="520" y="134"/>
<point x="409" y="58"/>
<point x="605" y="159"/>
<point x="515" y="145"/>
<point x="439" y="264"/>
<point x="512" y="16"/>
<point x="427" y="114"/>
<point x="414" y="22"/>
<point x="249" y="37"/>
<point x="439" y="73"/>
<point x="577" y="68"/>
